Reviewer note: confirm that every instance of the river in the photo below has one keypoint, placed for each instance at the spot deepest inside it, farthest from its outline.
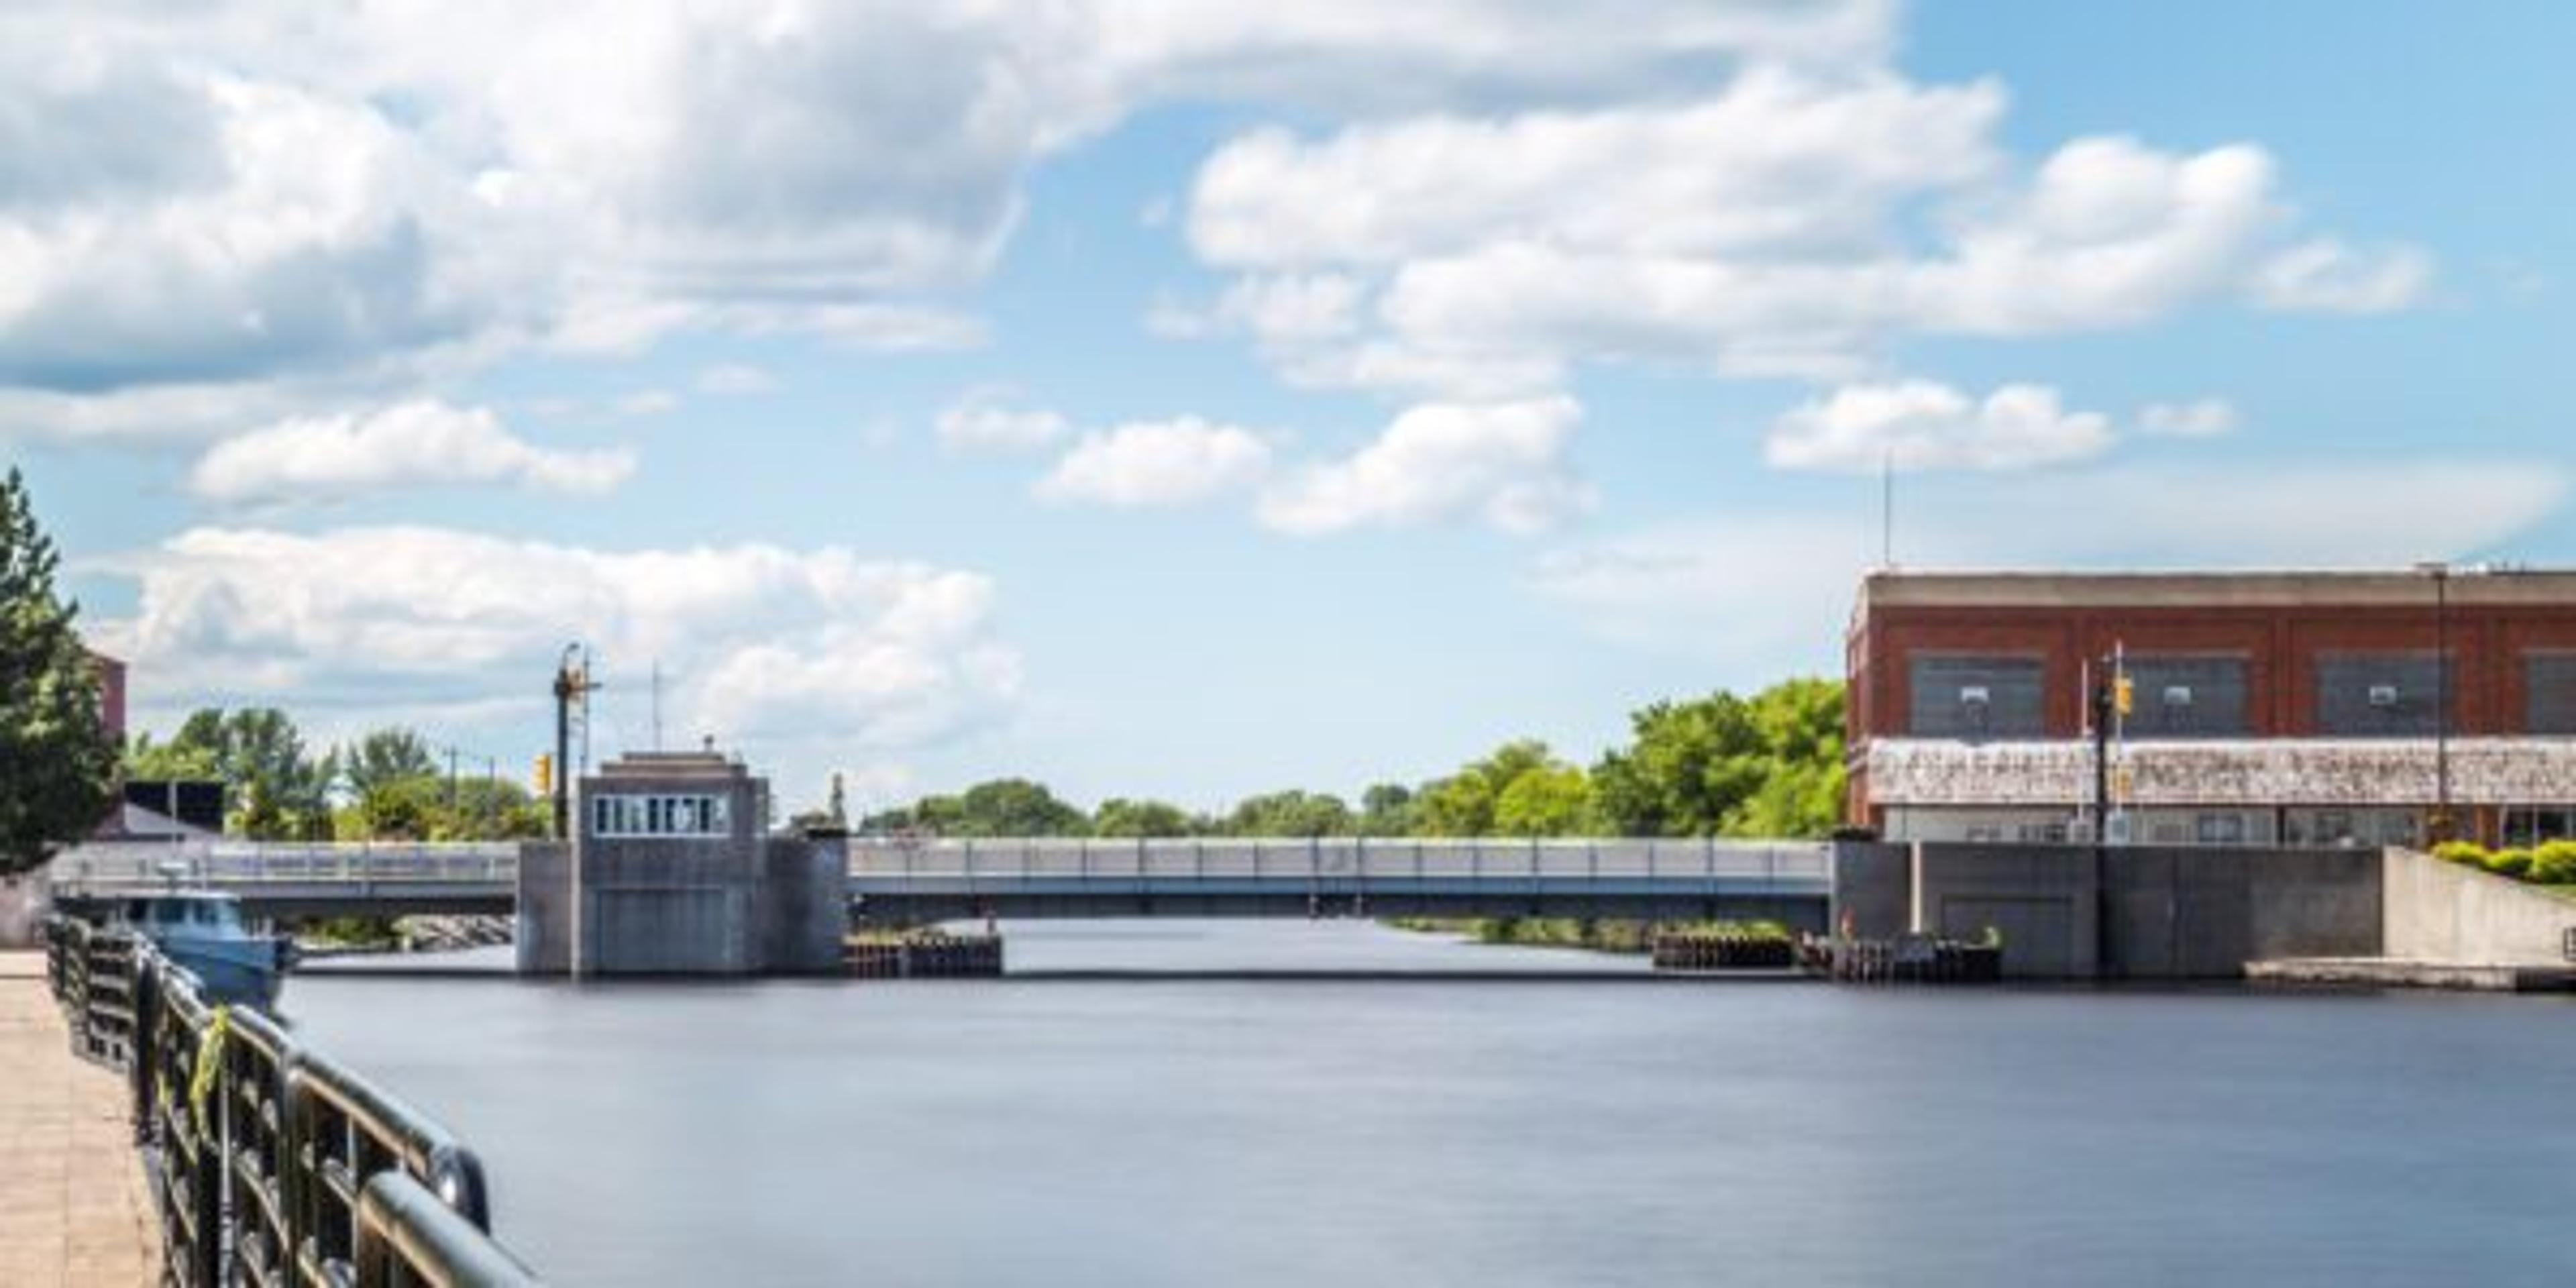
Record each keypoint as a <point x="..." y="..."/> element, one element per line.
<point x="1506" y="1132"/>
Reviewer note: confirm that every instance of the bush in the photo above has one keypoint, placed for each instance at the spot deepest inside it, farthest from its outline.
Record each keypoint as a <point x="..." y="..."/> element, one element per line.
<point x="2467" y="853"/>
<point x="2510" y="863"/>
<point x="2555" y="863"/>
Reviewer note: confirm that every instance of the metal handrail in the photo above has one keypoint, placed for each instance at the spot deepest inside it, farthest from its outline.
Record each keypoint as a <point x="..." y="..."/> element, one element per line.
<point x="407" y="1236"/>
<point x="266" y="1179"/>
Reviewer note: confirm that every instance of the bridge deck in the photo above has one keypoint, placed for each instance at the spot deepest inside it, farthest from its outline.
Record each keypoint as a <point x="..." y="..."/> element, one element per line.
<point x="1023" y="878"/>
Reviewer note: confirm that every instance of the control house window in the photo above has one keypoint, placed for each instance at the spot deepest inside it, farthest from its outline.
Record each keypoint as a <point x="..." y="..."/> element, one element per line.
<point x="660" y="815"/>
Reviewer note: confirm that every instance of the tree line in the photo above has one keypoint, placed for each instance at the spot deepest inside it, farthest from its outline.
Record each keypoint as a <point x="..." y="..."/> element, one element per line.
<point x="386" y="786"/>
<point x="1768" y="765"/>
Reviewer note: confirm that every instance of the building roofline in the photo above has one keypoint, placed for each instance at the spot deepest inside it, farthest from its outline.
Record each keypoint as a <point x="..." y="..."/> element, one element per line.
<point x="2469" y="585"/>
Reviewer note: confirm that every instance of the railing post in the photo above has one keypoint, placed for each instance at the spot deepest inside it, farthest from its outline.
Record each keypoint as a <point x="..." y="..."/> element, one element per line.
<point x="1082" y="860"/>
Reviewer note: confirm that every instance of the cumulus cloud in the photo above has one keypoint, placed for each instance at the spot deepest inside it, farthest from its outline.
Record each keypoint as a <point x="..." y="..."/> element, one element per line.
<point x="1922" y="425"/>
<point x="1157" y="463"/>
<point x="983" y="421"/>
<point x="2201" y="418"/>
<point x="1501" y="462"/>
<point x="412" y="444"/>
<point x="1789" y="223"/>
<point x="2327" y="276"/>
<point x="764" y="643"/>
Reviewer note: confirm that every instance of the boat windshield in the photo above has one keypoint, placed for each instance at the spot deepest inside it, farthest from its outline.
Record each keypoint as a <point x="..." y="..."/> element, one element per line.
<point x="213" y="914"/>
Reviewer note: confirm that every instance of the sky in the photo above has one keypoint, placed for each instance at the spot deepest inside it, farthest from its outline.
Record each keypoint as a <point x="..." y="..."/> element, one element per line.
<point x="1188" y="400"/>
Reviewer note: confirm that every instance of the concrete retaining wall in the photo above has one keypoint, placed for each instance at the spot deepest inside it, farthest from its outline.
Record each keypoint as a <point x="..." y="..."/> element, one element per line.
<point x="2443" y="912"/>
<point x="2144" y="913"/>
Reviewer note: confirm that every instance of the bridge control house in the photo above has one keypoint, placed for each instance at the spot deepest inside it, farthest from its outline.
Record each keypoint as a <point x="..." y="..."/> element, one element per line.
<point x="671" y="872"/>
<point x="2265" y="709"/>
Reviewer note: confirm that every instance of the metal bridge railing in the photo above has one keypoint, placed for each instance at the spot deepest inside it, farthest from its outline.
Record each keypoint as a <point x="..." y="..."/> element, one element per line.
<point x="276" y="1165"/>
<point x="93" y="869"/>
<point x="1559" y="862"/>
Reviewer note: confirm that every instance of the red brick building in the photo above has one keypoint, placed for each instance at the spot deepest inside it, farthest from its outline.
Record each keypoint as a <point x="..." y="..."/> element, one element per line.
<point x="2268" y="708"/>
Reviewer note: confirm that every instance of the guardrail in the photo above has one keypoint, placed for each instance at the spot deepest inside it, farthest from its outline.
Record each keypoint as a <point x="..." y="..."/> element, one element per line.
<point x="1342" y="858"/>
<point x="121" y="866"/>
<point x="276" y="1165"/>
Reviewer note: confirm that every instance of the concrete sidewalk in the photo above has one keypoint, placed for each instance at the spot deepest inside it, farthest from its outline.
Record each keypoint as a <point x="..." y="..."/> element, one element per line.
<point x="73" y="1208"/>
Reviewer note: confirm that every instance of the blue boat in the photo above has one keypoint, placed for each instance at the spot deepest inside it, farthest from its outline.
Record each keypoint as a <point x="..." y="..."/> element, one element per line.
<point x="202" y="930"/>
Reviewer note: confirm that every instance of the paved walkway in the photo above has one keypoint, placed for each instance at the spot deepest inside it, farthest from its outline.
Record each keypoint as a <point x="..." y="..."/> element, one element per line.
<point x="73" y="1209"/>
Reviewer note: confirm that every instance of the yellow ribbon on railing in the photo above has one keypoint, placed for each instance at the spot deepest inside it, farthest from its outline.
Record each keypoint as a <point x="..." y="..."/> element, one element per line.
<point x="210" y="1055"/>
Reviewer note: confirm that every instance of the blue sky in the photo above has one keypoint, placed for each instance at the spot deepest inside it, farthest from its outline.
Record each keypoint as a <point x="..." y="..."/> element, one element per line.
<point x="1159" y="399"/>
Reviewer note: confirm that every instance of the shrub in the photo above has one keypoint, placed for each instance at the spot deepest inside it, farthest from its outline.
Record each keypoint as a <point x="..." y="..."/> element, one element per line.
<point x="2469" y="853"/>
<point x="2555" y="863"/>
<point x="2510" y="863"/>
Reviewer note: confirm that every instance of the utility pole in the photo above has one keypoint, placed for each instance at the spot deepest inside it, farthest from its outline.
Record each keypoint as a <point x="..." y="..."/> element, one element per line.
<point x="572" y="685"/>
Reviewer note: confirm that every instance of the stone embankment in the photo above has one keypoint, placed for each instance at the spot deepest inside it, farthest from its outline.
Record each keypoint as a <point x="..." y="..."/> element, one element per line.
<point x="73" y="1206"/>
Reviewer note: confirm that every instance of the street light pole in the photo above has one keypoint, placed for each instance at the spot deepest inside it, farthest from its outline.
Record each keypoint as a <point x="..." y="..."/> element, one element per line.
<point x="2442" y="824"/>
<point x="2442" y="828"/>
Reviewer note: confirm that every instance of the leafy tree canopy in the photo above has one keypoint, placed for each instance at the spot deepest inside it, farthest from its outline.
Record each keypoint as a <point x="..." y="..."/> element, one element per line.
<point x="57" y="759"/>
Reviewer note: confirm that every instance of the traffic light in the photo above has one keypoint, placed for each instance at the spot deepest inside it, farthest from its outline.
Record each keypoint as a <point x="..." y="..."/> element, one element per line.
<point x="545" y="775"/>
<point x="2124" y="695"/>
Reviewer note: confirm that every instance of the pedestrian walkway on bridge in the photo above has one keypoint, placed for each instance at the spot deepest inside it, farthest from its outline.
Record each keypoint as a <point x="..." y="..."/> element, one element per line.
<point x="73" y="1207"/>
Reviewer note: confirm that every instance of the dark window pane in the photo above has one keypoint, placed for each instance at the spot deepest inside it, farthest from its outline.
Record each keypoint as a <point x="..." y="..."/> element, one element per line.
<point x="2378" y="695"/>
<point x="2550" y="681"/>
<point x="2188" y="697"/>
<point x="1977" y="697"/>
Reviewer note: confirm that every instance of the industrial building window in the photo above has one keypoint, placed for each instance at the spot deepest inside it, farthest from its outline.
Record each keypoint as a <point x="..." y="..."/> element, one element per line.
<point x="2378" y="695"/>
<point x="1976" y="697"/>
<point x="2186" y="696"/>
<point x="2549" y="686"/>
<point x="660" y="815"/>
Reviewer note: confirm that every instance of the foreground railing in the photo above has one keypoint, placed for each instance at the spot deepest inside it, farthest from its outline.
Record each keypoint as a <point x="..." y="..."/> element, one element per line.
<point x="277" y="1165"/>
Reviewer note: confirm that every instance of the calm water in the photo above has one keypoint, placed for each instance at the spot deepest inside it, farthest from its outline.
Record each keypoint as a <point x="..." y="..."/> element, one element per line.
<point x="1583" y="1132"/>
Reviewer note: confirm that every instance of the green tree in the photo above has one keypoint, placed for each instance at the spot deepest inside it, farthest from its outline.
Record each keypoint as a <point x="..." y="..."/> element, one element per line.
<point x="1289" y="813"/>
<point x="1001" y="807"/>
<point x="1550" y="800"/>
<point x="170" y="761"/>
<point x="384" y="756"/>
<point x="1463" y="803"/>
<point x="1723" y="765"/>
<point x="57" y="759"/>
<point x="1386" y="809"/>
<point x="1121" y="817"/>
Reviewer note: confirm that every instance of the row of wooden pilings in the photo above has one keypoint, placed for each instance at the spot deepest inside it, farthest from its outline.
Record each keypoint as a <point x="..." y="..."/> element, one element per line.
<point x="1904" y="959"/>
<point x="1690" y="950"/>
<point x="923" y="955"/>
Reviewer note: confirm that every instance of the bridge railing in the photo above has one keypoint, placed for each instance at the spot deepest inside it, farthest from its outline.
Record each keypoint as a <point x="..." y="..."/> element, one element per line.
<point x="136" y="866"/>
<point x="1339" y="859"/>
<point x="274" y="1160"/>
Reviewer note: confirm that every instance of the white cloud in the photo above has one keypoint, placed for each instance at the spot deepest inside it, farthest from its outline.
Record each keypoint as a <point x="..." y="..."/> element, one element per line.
<point x="2327" y="276"/>
<point x="1921" y="425"/>
<point x="2201" y="418"/>
<point x="406" y="445"/>
<point x="1501" y="462"/>
<point x="763" y="644"/>
<point x="735" y="379"/>
<point x="982" y="422"/>
<point x="1790" y="223"/>
<point x="1157" y="463"/>
<point x="1766" y="589"/>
